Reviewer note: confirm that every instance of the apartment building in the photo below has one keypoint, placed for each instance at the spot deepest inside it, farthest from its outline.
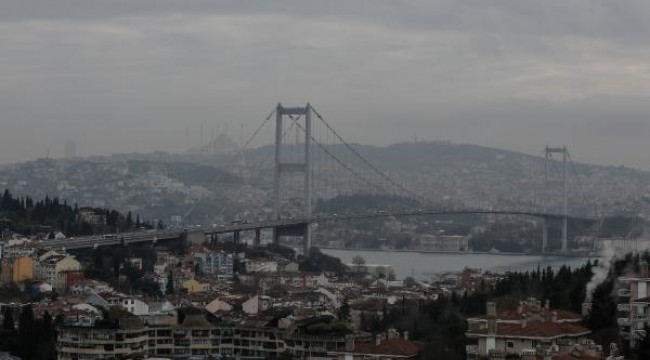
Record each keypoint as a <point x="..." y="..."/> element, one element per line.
<point x="634" y="304"/>
<point x="15" y="270"/>
<point x="54" y="268"/>
<point x="214" y="263"/>
<point x="523" y="331"/>
<point x="120" y="335"/>
<point x="191" y="332"/>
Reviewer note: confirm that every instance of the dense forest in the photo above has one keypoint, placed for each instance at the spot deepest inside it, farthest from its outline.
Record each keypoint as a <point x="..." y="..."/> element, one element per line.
<point x="25" y="216"/>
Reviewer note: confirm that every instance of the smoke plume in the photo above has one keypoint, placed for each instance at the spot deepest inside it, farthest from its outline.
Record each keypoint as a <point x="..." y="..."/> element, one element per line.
<point x="600" y="272"/>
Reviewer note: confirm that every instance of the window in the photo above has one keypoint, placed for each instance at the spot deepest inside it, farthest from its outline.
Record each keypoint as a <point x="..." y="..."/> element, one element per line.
<point x="510" y="344"/>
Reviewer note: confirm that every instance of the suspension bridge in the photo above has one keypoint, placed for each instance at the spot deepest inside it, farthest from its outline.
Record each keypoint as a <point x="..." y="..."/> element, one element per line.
<point x="312" y="160"/>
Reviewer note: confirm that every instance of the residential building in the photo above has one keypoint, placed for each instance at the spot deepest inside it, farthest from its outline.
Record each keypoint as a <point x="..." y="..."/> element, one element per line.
<point x="121" y="335"/>
<point x="634" y="304"/>
<point x="90" y="286"/>
<point x="214" y="263"/>
<point x="254" y="266"/>
<point x="190" y="332"/>
<point x="92" y="217"/>
<point x="522" y="331"/>
<point x="52" y="267"/>
<point x="22" y="269"/>
<point x="444" y="243"/>
<point x="193" y="286"/>
<point x="385" y="347"/>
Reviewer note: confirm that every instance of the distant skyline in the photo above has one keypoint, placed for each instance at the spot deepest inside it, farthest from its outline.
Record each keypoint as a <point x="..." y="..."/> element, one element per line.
<point x="133" y="76"/>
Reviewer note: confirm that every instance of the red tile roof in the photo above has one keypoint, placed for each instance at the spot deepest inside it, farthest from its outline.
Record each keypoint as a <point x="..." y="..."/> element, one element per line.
<point x="572" y="356"/>
<point x="515" y="315"/>
<point x="537" y="329"/>
<point x="395" y="347"/>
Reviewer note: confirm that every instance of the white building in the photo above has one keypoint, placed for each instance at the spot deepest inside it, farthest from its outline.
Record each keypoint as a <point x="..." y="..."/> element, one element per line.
<point x="135" y="306"/>
<point x="634" y="305"/>
<point x="261" y="266"/>
<point x="214" y="263"/>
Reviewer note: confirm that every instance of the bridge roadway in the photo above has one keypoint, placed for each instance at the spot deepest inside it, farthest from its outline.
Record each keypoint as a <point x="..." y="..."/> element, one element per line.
<point x="236" y="228"/>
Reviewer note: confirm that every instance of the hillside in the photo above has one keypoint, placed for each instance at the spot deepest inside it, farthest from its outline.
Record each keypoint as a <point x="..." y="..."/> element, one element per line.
<point x="155" y="189"/>
<point x="160" y="185"/>
<point x="477" y="176"/>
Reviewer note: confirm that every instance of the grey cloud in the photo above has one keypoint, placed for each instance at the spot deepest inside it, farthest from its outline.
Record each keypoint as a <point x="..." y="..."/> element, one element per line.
<point x="132" y="75"/>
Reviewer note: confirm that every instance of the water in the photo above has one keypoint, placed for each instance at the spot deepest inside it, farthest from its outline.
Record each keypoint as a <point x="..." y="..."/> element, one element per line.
<point x="423" y="265"/>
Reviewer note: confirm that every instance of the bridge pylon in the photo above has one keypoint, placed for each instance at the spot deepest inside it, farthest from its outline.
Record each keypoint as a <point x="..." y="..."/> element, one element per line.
<point x="549" y="151"/>
<point x="304" y="167"/>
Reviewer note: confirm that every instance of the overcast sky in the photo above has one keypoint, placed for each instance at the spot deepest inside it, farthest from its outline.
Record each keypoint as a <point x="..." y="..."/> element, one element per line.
<point x="121" y="76"/>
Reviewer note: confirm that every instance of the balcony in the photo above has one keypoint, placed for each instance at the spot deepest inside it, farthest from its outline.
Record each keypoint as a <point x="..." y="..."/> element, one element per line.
<point x="471" y="349"/>
<point x="624" y="292"/>
<point x="623" y="307"/>
<point x="640" y="317"/>
<point x="623" y="322"/>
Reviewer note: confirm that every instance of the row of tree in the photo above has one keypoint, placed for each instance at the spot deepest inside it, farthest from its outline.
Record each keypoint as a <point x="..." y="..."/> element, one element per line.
<point x="32" y="338"/>
<point x="27" y="216"/>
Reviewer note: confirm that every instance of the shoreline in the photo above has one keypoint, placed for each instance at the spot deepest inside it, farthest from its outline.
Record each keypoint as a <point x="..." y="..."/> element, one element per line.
<point x="569" y="255"/>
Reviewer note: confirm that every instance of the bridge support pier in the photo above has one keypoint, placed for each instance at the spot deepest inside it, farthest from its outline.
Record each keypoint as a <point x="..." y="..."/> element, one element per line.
<point x="544" y="235"/>
<point x="565" y="231"/>
<point x="258" y="237"/>
<point x="236" y="237"/>
<point x="306" y="240"/>
<point x="276" y="236"/>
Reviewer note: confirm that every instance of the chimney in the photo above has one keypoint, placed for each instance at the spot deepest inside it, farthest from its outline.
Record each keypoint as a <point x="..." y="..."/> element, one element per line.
<point x="554" y="316"/>
<point x="349" y="344"/>
<point x="406" y="335"/>
<point x="491" y="312"/>
<point x="524" y="321"/>
<point x="643" y="265"/>
<point x="491" y="309"/>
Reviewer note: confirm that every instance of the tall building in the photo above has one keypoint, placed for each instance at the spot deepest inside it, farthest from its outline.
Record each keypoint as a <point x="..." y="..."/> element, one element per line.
<point x="633" y="307"/>
<point x="70" y="149"/>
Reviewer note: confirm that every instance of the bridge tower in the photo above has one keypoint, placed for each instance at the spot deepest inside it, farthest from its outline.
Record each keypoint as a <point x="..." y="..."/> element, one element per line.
<point x="304" y="167"/>
<point x="549" y="151"/>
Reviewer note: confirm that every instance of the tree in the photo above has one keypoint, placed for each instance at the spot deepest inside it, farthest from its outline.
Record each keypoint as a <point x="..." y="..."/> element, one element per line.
<point x="391" y="274"/>
<point x="8" y="323"/>
<point x="47" y="326"/>
<point x="286" y="356"/>
<point x="170" y="284"/>
<point x="359" y="264"/>
<point x="344" y="311"/>
<point x="643" y="347"/>
<point x="380" y="272"/>
<point x="27" y="333"/>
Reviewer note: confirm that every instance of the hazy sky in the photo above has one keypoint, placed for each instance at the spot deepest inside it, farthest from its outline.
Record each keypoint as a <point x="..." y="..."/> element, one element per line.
<point x="132" y="75"/>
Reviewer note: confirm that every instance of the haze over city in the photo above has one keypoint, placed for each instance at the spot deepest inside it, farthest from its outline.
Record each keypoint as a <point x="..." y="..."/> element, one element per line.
<point x="132" y="76"/>
<point x="324" y="180"/>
